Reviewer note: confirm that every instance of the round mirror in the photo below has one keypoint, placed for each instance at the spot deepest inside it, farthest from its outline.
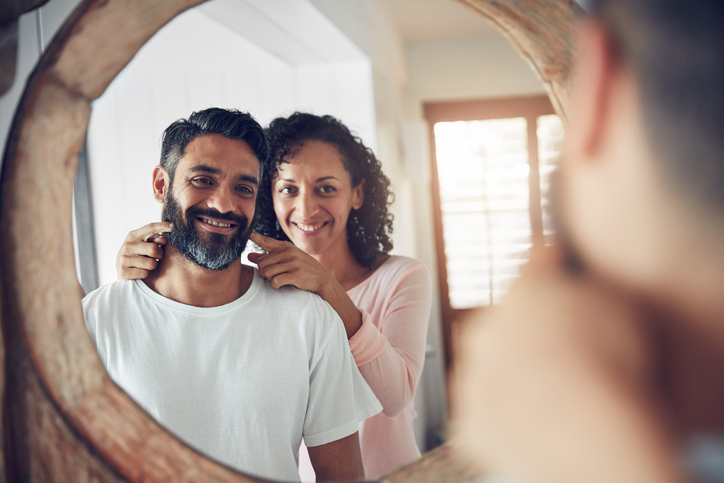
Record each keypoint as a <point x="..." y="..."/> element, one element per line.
<point x="66" y="419"/>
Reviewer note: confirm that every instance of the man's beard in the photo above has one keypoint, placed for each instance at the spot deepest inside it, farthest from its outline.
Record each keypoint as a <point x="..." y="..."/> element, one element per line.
<point x="216" y="251"/>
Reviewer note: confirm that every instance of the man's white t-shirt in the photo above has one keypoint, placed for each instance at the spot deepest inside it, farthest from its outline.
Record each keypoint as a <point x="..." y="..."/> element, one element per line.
<point x="244" y="382"/>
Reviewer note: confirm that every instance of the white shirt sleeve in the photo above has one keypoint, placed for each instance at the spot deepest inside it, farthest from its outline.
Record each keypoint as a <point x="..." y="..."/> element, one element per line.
<point x="339" y="397"/>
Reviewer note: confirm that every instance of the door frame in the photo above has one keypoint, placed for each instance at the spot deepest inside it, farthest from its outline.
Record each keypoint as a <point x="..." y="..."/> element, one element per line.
<point x="530" y="108"/>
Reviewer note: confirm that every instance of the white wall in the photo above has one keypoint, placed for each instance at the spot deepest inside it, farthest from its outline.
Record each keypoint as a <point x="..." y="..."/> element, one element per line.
<point x="467" y="69"/>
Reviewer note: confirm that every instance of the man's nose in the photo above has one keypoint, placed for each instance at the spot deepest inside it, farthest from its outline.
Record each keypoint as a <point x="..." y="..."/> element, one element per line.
<point x="222" y="201"/>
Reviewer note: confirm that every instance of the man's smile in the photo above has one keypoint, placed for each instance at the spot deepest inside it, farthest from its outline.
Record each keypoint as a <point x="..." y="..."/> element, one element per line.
<point x="215" y="223"/>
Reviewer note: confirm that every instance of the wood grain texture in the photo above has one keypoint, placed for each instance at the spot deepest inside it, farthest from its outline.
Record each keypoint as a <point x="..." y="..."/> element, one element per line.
<point x="543" y="32"/>
<point x="442" y="464"/>
<point x="63" y="418"/>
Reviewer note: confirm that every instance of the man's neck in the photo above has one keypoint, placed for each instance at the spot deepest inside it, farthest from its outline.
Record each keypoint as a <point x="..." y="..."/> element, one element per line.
<point x="181" y="280"/>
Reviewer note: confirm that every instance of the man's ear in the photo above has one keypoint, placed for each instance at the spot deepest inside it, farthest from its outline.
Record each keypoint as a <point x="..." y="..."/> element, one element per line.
<point x="161" y="183"/>
<point x="594" y="79"/>
<point x="359" y="195"/>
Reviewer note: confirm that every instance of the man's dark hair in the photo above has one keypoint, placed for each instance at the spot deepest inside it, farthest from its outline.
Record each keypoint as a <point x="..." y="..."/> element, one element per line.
<point x="369" y="227"/>
<point x="230" y="123"/>
<point x="676" y="50"/>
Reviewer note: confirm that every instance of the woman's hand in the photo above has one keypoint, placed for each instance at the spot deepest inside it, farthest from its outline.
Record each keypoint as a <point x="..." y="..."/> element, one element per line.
<point x="141" y="251"/>
<point x="285" y="264"/>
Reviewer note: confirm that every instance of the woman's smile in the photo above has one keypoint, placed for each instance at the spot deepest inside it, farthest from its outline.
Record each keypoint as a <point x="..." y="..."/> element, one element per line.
<point x="309" y="229"/>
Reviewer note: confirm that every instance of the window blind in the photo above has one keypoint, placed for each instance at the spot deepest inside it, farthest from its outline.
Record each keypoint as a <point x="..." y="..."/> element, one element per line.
<point x="483" y="170"/>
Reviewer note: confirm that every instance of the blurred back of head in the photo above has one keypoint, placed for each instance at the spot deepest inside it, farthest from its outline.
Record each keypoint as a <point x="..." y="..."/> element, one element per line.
<point x="676" y="50"/>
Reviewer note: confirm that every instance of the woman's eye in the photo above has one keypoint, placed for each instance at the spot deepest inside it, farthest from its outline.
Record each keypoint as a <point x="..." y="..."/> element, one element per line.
<point x="287" y="190"/>
<point x="327" y="189"/>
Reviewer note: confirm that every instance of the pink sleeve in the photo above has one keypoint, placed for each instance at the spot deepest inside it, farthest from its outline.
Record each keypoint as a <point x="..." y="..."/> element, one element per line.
<point x="391" y="359"/>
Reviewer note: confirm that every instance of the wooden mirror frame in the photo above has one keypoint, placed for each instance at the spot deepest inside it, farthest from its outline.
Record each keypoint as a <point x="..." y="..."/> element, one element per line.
<point x="63" y="417"/>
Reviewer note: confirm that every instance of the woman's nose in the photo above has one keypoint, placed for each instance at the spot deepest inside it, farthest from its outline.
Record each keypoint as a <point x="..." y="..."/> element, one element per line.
<point x="306" y="205"/>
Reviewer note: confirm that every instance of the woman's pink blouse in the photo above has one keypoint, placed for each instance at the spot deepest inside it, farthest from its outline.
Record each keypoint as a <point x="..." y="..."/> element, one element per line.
<point x="389" y="350"/>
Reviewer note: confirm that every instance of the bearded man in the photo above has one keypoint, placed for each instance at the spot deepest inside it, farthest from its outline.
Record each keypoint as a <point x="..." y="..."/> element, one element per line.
<point x="236" y="369"/>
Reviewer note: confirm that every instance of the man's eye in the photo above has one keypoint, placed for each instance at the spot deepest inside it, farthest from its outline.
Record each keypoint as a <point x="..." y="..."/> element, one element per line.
<point x="204" y="181"/>
<point x="245" y="190"/>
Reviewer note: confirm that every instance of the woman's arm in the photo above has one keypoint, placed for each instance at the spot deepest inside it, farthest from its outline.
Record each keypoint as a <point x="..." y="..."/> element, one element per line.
<point x="390" y="346"/>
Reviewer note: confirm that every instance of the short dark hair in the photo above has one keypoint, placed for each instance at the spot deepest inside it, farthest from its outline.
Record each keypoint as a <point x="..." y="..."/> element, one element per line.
<point x="676" y="50"/>
<point x="230" y="123"/>
<point x="368" y="228"/>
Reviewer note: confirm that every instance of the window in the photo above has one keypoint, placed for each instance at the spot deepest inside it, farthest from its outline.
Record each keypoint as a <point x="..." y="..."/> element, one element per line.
<point x="549" y="133"/>
<point x="492" y="162"/>
<point x="483" y="170"/>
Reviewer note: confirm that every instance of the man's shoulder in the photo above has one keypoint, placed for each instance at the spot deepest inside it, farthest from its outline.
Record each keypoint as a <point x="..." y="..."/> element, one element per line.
<point x="287" y="294"/>
<point x="113" y="290"/>
<point x="289" y="301"/>
<point x="104" y="305"/>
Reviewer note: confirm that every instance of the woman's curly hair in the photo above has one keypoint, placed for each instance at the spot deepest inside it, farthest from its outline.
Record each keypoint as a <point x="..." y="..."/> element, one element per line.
<point x="369" y="227"/>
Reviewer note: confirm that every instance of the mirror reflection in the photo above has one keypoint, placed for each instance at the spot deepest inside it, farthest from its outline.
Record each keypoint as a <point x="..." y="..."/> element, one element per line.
<point x="380" y="72"/>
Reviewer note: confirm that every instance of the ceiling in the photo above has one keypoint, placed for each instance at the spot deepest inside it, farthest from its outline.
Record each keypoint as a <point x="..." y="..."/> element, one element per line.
<point x="436" y="20"/>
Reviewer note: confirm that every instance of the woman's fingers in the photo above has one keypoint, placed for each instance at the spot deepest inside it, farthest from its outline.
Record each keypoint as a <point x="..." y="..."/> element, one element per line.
<point x="285" y="264"/>
<point x="134" y="274"/>
<point x="255" y="257"/>
<point x="294" y="273"/>
<point x="147" y="231"/>
<point x="268" y="244"/>
<point x="281" y="280"/>
<point x="272" y="269"/>
<point x="158" y="239"/>
<point x="140" y="267"/>
<point x="276" y="250"/>
<point x="143" y="249"/>
<point x="142" y="262"/>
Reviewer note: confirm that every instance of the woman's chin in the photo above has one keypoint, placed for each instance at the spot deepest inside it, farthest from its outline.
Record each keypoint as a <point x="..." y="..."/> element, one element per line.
<point x="312" y="249"/>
